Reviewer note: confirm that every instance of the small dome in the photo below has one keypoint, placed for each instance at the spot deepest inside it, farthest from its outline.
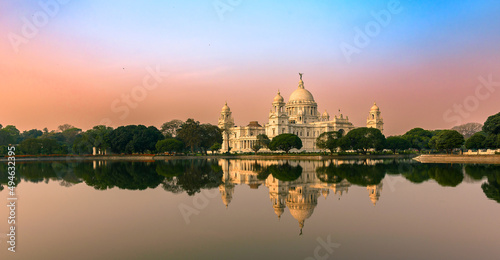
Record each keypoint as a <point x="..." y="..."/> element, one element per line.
<point x="278" y="97"/>
<point x="374" y="107"/>
<point x="278" y="211"/>
<point x="225" y="108"/>
<point x="325" y="114"/>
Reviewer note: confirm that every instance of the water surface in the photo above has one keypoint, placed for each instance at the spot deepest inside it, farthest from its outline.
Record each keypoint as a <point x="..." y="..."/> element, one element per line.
<point x="254" y="209"/>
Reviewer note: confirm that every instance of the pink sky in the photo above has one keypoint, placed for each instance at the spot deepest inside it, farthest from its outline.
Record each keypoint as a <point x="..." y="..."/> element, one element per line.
<point x="70" y="75"/>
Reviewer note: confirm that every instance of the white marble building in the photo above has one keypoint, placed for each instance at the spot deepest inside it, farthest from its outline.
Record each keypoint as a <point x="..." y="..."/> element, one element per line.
<point x="298" y="116"/>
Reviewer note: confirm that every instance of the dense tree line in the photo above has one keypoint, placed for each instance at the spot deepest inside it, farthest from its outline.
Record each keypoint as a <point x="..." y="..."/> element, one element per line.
<point x="191" y="136"/>
<point x="174" y="137"/>
<point x="489" y="137"/>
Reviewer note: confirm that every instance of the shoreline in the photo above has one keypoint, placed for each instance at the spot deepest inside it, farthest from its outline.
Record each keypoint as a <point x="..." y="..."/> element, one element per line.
<point x="451" y="158"/>
<point x="191" y="157"/>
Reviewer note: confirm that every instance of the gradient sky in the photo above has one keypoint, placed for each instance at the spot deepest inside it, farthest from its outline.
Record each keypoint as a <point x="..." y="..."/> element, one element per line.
<point x="89" y="54"/>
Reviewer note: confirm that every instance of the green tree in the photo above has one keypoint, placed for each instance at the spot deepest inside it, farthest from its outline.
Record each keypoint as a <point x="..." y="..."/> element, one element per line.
<point x="33" y="133"/>
<point x="210" y="134"/>
<point x="9" y="135"/>
<point x="216" y="147"/>
<point x="169" y="129"/>
<point x="262" y="142"/>
<point x="170" y="145"/>
<point x="70" y="135"/>
<point x="397" y="143"/>
<point x="34" y="146"/>
<point x="99" y="136"/>
<point x="362" y="139"/>
<point x="418" y="138"/>
<point x="82" y="145"/>
<point x="491" y="141"/>
<point x="134" y="139"/>
<point x="447" y="140"/>
<point x="285" y="142"/>
<point x="189" y="133"/>
<point x="492" y="125"/>
<point x="476" y="141"/>
<point x="329" y="141"/>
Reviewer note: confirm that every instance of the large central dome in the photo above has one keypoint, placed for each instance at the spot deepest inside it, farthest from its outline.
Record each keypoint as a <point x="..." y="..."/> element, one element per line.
<point x="301" y="95"/>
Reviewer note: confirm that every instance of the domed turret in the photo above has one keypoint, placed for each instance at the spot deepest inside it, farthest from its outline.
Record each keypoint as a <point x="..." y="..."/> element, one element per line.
<point x="278" y="211"/>
<point x="278" y="98"/>
<point x="225" y="108"/>
<point x="374" y="119"/>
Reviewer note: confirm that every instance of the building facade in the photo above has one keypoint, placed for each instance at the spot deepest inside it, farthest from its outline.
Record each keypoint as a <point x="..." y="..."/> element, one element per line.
<point x="299" y="116"/>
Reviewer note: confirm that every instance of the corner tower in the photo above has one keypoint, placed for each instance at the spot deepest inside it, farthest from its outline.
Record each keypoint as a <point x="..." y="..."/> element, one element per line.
<point x="226" y="122"/>
<point x="374" y="119"/>
<point x="278" y="119"/>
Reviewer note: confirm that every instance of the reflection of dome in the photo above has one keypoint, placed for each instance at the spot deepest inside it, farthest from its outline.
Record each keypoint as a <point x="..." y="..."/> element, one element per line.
<point x="278" y="211"/>
<point x="278" y="97"/>
<point x="225" y="108"/>
<point x="226" y="192"/>
<point x="374" y="107"/>
<point x="301" y="212"/>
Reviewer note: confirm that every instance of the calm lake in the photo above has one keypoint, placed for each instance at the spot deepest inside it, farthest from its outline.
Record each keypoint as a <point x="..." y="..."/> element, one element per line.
<point x="253" y="209"/>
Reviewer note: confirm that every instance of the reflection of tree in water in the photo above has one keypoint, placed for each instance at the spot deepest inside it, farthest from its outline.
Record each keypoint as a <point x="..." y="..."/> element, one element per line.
<point x="124" y="175"/>
<point x="329" y="174"/>
<point x="189" y="175"/>
<point x="411" y="170"/>
<point x="449" y="175"/>
<point x="417" y="173"/>
<point x="282" y="172"/>
<point x="44" y="172"/>
<point x="491" y="188"/>
<point x="41" y="172"/>
<point x="362" y="175"/>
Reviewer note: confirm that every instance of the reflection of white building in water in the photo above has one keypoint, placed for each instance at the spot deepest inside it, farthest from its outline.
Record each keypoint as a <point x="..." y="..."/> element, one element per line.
<point x="298" y="116"/>
<point x="300" y="195"/>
